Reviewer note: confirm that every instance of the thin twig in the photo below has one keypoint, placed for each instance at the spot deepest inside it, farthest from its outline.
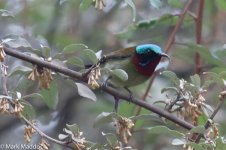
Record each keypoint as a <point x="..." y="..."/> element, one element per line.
<point x="198" y="22"/>
<point x="16" y="53"/>
<point x="138" y="108"/>
<point x="42" y="134"/>
<point x="219" y="105"/>
<point x="176" y="28"/>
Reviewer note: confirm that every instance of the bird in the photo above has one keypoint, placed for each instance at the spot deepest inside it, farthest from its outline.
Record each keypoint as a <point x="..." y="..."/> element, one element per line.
<point x="139" y="62"/>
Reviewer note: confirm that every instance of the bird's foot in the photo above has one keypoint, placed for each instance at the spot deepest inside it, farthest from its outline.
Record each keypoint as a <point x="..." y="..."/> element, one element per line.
<point x="116" y="104"/>
<point x="91" y="67"/>
<point x="105" y="83"/>
<point x="130" y="94"/>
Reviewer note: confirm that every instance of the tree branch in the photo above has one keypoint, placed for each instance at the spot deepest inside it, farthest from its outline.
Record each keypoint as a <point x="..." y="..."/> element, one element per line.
<point x="198" y="22"/>
<point x="110" y="90"/>
<point x="176" y="28"/>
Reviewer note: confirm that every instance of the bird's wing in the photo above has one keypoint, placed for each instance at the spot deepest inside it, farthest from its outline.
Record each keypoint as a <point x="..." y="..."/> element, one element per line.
<point x="121" y="54"/>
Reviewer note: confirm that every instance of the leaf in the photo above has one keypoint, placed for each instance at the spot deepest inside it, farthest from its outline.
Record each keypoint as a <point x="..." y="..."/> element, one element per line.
<point x="76" y="61"/>
<point x="207" y="109"/>
<point x="205" y="54"/>
<point x="6" y="13"/>
<point x="196" y="146"/>
<point x="156" y="3"/>
<point x="220" y="143"/>
<point x="133" y="7"/>
<point x="18" y="95"/>
<point x="121" y="74"/>
<point x="178" y="142"/>
<point x="32" y="95"/>
<point x="88" y="53"/>
<point x="96" y="146"/>
<point x="222" y="75"/>
<point x="85" y="4"/>
<point x="104" y="118"/>
<point x="111" y="139"/>
<point x="99" y="54"/>
<point x="74" y="48"/>
<point x="195" y="79"/>
<point x="74" y="129"/>
<point x="172" y="76"/>
<point x="85" y="91"/>
<point x="28" y="111"/>
<point x="5" y="97"/>
<point x="165" y="130"/>
<point x="216" y="78"/>
<point x="45" y="51"/>
<point x="169" y="89"/>
<point x="50" y="96"/>
<point x="63" y="137"/>
<point x="198" y="129"/>
<point x="15" y="41"/>
<point x="21" y="70"/>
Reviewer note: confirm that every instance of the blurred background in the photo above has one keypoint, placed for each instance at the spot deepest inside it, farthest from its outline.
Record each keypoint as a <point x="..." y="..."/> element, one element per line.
<point x="58" y="23"/>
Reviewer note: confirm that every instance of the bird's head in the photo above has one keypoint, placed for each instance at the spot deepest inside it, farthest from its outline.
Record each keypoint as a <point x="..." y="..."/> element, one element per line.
<point x="150" y="49"/>
<point x="148" y="53"/>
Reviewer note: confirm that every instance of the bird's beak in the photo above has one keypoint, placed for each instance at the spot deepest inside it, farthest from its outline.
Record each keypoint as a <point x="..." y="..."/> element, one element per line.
<point x="165" y="55"/>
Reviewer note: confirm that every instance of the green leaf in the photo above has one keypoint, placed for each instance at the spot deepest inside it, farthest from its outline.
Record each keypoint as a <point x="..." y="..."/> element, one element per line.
<point x="104" y="118"/>
<point x="198" y="129"/>
<point x="133" y="7"/>
<point x="96" y="146"/>
<point x="28" y="111"/>
<point x="205" y="54"/>
<point x="74" y="129"/>
<point x="111" y="139"/>
<point x="45" y="51"/>
<point x="121" y="74"/>
<point x="85" y="91"/>
<point x="165" y="130"/>
<point x="196" y="146"/>
<point x="90" y="54"/>
<point x="216" y="78"/>
<point x="85" y="4"/>
<point x="32" y="95"/>
<point x="74" y="48"/>
<point x="178" y="142"/>
<point x="195" y="79"/>
<point x="166" y="89"/>
<point x="15" y="41"/>
<point x="222" y="75"/>
<point x="76" y="61"/>
<point x="220" y="143"/>
<point x="21" y="70"/>
<point x="50" y="96"/>
<point x="156" y="3"/>
<point x="172" y="76"/>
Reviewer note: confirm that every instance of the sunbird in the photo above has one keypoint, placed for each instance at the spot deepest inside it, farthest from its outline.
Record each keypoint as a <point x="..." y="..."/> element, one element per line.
<point x="139" y="62"/>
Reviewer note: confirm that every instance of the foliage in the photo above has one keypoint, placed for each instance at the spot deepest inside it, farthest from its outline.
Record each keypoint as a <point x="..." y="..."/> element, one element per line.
<point x="191" y="96"/>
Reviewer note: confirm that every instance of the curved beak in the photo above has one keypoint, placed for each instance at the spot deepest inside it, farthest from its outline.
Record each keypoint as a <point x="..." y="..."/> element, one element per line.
<point x="165" y="55"/>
